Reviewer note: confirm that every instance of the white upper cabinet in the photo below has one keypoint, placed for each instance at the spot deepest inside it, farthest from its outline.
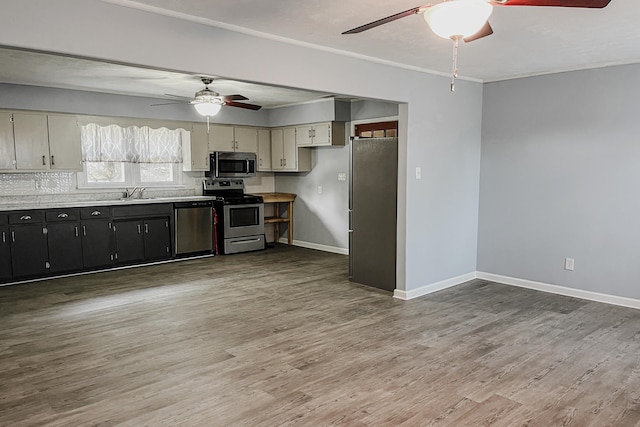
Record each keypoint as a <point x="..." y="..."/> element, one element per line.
<point x="320" y="134"/>
<point x="285" y="155"/>
<point x="264" y="150"/>
<point x="64" y="143"/>
<point x="195" y="152"/>
<point x="31" y="141"/>
<point x="229" y="138"/>
<point x="7" y="147"/>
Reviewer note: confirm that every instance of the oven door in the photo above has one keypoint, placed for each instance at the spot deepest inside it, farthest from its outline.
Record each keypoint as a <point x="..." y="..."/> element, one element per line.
<point x="243" y="220"/>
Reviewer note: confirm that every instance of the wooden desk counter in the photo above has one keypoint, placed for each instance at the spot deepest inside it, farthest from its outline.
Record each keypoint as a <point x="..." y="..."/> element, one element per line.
<point x="277" y="199"/>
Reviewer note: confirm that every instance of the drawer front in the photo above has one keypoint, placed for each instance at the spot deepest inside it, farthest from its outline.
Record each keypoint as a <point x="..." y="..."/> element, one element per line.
<point x="26" y="217"/>
<point x="136" y="211"/>
<point x="56" y="215"/>
<point x="99" y="212"/>
<point x="4" y="219"/>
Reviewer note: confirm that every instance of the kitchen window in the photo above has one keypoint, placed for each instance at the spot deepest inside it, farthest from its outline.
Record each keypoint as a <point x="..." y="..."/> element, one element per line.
<point x="116" y="156"/>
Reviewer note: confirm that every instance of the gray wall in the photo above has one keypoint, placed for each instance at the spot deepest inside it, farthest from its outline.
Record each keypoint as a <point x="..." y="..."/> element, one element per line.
<point x="560" y="174"/>
<point x="317" y="111"/>
<point x="366" y="109"/>
<point x="442" y="134"/>
<point x="102" y="104"/>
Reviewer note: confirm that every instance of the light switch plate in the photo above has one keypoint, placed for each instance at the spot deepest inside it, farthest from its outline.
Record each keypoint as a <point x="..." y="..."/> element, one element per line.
<point x="418" y="173"/>
<point x="342" y="176"/>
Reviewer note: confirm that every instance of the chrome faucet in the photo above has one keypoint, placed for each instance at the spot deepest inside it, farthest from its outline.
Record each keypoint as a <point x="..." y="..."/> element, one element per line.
<point x="129" y="194"/>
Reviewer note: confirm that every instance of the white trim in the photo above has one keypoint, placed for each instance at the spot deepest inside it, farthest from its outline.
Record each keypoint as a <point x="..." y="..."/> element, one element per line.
<point x="433" y="287"/>
<point x="560" y="290"/>
<point x="242" y="30"/>
<point x="317" y="246"/>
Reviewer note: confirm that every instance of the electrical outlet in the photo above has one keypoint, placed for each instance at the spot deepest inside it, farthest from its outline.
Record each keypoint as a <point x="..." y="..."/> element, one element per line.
<point x="568" y="264"/>
<point x="319" y="189"/>
<point x="418" y="173"/>
<point x="342" y="176"/>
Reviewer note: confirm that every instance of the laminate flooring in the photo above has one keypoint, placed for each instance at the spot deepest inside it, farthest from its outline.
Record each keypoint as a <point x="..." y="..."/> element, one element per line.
<point x="281" y="337"/>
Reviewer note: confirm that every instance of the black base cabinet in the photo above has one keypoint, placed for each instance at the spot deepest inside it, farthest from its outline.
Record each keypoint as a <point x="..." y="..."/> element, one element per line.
<point x="5" y="254"/>
<point x="129" y="241"/>
<point x="29" y="253"/>
<point x="64" y="240"/>
<point x="97" y="244"/>
<point x="157" y="239"/>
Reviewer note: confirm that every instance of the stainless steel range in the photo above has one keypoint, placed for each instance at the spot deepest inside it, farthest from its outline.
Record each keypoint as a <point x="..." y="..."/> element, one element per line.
<point x="239" y="216"/>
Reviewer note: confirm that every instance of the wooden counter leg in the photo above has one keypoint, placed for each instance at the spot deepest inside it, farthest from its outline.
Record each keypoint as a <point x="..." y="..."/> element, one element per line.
<point x="290" y="231"/>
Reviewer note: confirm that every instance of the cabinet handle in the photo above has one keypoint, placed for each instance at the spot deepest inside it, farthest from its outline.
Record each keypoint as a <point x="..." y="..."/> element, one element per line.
<point x="44" y="160"/>
<point x="63" y="215"/>
<point x="96" y="213"/>
<point x="4" y="237"/>
<point x="13" y="236"/>
<point x="260" y="162"/>
<point x="139" y="231"/>
<point x="76" y="228"/>
<point x="84" y="230"/>
<point x="25" y="218"/>
<point x="146" y="228"/>
<point x="53" y="161"/>
<point x="309" y="133"/>
<point x="285" y="162"/>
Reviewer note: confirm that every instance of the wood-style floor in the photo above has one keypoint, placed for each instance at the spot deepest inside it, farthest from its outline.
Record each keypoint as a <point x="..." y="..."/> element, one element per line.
<point x="280" y="337"/>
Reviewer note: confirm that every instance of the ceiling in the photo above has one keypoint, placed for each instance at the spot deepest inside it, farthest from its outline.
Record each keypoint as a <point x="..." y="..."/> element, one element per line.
<point x="526" y="41"/>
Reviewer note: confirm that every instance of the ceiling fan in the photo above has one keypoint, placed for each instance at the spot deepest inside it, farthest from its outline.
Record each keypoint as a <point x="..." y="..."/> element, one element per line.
<point x="208" y="103"/>
<point x="467" y="20"/>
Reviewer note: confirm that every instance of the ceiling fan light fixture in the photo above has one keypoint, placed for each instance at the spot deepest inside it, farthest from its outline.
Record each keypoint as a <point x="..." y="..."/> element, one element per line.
<point x="207" y="108"/>
<point x="458" y="18"/>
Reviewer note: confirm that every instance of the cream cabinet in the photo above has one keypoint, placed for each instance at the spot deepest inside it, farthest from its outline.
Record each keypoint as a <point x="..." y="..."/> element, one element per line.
<point x="7" y="147"/>
<point x="320" y="134"/>
<point x="195" y="151"/>
<point x="65" y="149"/>
<point x="31" y="138"/>
<point x="285" y="155"/>
<point x="230" y="138"/>
<point x="264" y="150"/>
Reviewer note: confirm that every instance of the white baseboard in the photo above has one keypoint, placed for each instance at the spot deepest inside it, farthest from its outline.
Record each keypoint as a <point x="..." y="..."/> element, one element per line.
<point x="560" y="290"/>
<point x="433" y="287"/>
<point x="317" y="246"/>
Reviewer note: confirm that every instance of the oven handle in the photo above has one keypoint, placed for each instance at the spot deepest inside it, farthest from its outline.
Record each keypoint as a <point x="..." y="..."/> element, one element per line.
<point x="244" y="242"/>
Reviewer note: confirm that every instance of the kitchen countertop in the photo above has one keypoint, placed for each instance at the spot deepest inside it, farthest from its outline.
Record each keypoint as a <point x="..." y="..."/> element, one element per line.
<point x="117" y="202"/>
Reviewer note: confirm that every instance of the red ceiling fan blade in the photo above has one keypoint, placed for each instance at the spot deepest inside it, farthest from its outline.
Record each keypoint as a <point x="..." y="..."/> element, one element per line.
<point x="386" y="20"/>
<point x="242" y="105"/>
<point x="485" y="31"/>
<point x="597" y="4"/>
<point x="234" y="98"/>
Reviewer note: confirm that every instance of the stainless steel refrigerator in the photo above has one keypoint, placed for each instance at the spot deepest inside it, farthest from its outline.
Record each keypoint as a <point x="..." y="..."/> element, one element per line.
<point x="372" y="212"/>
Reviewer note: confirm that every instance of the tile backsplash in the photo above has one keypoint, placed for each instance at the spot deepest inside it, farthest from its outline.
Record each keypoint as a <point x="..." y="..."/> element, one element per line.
<point x="39" y="183"/>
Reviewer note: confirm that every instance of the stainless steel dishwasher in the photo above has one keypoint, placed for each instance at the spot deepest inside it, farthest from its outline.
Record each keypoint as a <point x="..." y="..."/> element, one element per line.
<point x="194" y="227"/>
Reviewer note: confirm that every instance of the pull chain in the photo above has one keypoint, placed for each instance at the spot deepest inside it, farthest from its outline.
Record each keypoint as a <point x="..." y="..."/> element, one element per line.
<point x="454" y="71"/>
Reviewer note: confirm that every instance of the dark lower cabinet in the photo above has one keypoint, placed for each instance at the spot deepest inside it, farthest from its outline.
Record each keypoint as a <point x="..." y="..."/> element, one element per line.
<point x="5" y="254"/>
<point x="29" y="252"/>
<point x="97" y="243"/>
<point x="157" y="239"/>
<point x="65" y="247"/>
<point x="129" y="241"/>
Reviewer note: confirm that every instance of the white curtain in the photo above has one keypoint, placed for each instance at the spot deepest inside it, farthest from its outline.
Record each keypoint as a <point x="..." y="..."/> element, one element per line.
<point x="132" y="144"/>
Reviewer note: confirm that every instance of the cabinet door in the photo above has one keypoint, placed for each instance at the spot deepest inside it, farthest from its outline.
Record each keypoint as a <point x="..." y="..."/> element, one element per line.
<point x="97" y="243"/>
<point x="290" y="149"/>
<point x="5" y="254"/>
<point x="7" y="148"/>
<point x="65" y="247"/>
<point x="322" y="134"/>
<point x="277" y="149"/>
<point x="31" y="140"/>
<point x="304" y="135"/>
<point x="157" y="239"/>
<point x="264" y="150"/>
<point x="196" y="152"/>
<point x="246" y="140"/>
<point x="29" y="251"/>
<point x="221" y="138"/>
<point x="64" y="143"/>
<point x="129" y="241"/>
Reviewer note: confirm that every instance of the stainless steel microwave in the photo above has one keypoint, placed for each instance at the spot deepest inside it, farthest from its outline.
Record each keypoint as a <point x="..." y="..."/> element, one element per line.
<point x="232" y="165"/>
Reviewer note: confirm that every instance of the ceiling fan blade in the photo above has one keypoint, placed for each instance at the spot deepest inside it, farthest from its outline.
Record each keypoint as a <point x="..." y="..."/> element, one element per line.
<point x="485" y="31"/>
<point x="596" y="4"/>
<point x="167" y="103"/>
<point x="234" y="98"/>
<point x="386" y="20"/>
<point x="175" y="96"/>
<point x="242" y="105"/>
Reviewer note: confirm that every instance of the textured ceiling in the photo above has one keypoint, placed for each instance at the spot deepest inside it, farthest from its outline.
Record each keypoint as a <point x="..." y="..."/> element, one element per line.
<point x="526" y="41"/>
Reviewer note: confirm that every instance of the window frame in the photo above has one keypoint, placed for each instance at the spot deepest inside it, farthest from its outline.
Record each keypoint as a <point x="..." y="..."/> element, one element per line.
<point x="131" y="178"/>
